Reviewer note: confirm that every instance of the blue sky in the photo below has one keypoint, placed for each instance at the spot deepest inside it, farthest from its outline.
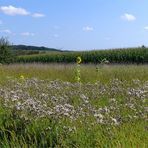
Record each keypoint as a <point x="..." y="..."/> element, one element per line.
<point x="75" y="24"/>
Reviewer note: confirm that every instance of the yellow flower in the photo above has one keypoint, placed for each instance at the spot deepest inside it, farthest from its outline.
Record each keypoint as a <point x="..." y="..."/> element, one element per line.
<point x="79" y="60"/>
<point x="22" y="77"/>
<point x="78" y="79"/>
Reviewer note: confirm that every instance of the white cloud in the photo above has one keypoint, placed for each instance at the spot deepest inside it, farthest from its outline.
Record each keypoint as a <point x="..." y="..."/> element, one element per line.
<point x="6" y="31"/>
<point x="37" y="15"/>
<point x="27" y="34"/>
<point x="88" y="28"/>
<point x="11" y="10"/>
<point x="128" y="17"/>
<point x="146" y="27"/>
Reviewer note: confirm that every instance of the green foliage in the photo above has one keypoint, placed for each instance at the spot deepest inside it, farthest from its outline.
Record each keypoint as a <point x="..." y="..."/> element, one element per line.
<point x="5" y="51"/>
<point x="122" y="56"/>
<point x="26" y="52"/>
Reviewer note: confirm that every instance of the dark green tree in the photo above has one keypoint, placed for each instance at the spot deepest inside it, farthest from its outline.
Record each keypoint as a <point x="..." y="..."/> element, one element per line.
<point x="5" y="51"/>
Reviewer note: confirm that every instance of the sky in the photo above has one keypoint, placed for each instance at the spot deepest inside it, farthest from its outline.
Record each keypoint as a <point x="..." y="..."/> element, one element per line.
<point x="75" y="24"/>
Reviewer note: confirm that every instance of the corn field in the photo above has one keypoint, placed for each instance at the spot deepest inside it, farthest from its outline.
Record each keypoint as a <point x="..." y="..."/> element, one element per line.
<point x="122" y="56"/>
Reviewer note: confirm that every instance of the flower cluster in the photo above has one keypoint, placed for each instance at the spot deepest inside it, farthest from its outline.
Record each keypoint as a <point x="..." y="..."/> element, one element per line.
<point x="110" y="104"/>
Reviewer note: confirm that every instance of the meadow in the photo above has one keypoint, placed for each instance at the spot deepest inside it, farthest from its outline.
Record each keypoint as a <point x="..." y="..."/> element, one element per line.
<point x="43" y="105"/>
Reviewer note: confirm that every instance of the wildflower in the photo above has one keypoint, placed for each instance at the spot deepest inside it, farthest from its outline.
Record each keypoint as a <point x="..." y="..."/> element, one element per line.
<point x="115" y="121"/>
<point x="98" y="115"/>
<point x="78" y="79"/>
<point x="104" y="61"/>
<point x="79" y="60"/>
<point x="22" y="77"/>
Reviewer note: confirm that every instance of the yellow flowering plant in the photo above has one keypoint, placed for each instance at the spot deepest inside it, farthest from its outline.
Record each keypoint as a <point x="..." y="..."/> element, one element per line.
<point x="79" y="60"/>
<point x="22" y="77"/>
<point x="78" y="71"/>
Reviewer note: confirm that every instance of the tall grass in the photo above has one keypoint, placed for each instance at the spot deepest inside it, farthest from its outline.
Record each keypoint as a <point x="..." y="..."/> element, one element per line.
<point x="66" y="72"/>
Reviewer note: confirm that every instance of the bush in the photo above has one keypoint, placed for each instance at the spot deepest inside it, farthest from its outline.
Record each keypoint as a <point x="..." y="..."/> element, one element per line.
<point x="5" y="51"/>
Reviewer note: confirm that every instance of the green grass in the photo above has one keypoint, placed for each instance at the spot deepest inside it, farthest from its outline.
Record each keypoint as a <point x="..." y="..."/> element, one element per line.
<point x="66" y="72"/>
<point x="121" y="89"/>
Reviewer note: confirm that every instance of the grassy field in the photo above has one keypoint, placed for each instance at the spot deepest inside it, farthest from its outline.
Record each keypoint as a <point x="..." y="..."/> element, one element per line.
<point x="44" y="106"/>
<point x="66" y="72"/>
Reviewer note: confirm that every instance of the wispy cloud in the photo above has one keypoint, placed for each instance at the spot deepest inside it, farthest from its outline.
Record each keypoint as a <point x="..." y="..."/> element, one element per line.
<point x="27" y="34"/>
<point x="88" y="28"/>
<point x="11" y="10"/>
<point x="38" y="15"/>
<point x="146" y="27"/>
<point x="6" y="31"/>
<point x="128" y="17"/>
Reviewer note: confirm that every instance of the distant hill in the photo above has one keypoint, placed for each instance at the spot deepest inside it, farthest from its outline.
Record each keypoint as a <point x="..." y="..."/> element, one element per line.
<point x="31" y="50"/>
<point x="25" y="47"/>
